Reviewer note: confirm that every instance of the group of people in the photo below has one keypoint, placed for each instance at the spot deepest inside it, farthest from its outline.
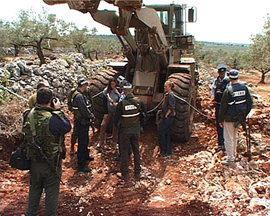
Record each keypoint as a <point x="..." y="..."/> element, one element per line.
<point x="47" y="125"/>
<point x="233" y="103"/>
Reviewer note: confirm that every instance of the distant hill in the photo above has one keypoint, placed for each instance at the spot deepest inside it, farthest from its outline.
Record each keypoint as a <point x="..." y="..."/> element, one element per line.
<point x="223" y="43"/>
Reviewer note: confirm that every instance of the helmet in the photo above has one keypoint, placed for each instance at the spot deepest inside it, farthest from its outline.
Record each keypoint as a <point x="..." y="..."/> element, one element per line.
<point x="222" y="68"/>
<point x="82" y="81"/>
<point x="233" y="74"/>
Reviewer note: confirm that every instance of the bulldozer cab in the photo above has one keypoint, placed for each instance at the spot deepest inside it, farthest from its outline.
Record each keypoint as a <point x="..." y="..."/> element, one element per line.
<point x="174" y="17"/>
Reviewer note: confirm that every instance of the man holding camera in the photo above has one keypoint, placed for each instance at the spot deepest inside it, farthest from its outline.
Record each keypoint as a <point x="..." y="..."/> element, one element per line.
<point x="44" y="131"/>
<point x="83" y="118"/>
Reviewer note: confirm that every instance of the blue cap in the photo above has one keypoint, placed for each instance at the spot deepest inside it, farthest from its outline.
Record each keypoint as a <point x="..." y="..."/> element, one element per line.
<point x="222" y="68"/>
<point x="127" y="85"/>
<point x="233" y="74"/>
<point x="82" y="81"/>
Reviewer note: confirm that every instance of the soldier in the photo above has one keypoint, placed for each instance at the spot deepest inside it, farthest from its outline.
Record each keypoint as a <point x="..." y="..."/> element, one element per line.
<point x="236" y="103"/>
<point x="83" y="118"/>
<point x="218" y="87"/>
<point x="74" y="135"/>
<point x="127" y="118"/>
<point x="33" y="98"/>
<point x="47" y="126"/>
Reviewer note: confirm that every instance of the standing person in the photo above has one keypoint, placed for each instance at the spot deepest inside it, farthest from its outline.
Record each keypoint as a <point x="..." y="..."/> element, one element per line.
<point x="74" y="135"/>
<point x="83" y="118"/>
<point x="168" y="111"/>
<point x="33" y="98"/>
<point x="236" y="103"/>
<point x="218" y="87"/>
<point x="127" y="118"/>
<point x="111" y="98"/>
<point x="47" y="126"/>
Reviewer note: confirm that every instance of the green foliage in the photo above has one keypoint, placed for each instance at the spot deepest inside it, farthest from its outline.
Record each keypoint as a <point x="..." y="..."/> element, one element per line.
<point x="68" y="60"/>
<point x="259" y="51"/>
<point x="214" y="53"/>
<point x="3" y="93"/>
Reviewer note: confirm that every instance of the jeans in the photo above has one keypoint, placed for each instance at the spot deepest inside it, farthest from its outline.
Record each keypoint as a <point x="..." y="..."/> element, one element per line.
<point x="83" y="141"/>
<point x="165" y="136"/>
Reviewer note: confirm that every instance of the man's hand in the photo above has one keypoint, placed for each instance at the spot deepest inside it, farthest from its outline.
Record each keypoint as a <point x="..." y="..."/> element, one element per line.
<point x="56" y="103"/>
<point x="221" y="124"/>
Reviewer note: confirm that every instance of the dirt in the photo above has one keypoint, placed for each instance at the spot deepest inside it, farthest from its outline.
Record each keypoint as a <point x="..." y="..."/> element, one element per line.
<point x="181" y="185"/>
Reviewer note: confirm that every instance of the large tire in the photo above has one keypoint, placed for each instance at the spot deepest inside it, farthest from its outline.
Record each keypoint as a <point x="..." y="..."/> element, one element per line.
<point x="183" y="88"/>
<point x="97" y="84"/>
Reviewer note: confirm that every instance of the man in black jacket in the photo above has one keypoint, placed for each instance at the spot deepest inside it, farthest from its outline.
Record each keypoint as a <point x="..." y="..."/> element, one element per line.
<point x="217" y="89"/>
<point x="83" y="119"/>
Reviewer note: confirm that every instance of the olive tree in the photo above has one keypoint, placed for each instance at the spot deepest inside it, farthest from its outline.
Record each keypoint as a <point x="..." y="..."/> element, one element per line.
<point x="40" y="29"/>
<point x="259" y="51"/>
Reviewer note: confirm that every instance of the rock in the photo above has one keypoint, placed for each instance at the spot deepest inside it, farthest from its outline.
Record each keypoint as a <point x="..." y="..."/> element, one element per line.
<point x="16" y="87"/>
<point x="261" y="189"/>
<point x="256" y="202"/>
<point x="29" y="88"/>
<point x="168" y="182"/>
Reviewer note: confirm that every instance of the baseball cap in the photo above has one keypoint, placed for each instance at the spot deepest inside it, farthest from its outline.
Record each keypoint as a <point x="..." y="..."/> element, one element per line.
<point x="127" y="86"/>
<point x="233" y="74"/>
<point x="222" y="68"/>
<point x="82" y="81"/>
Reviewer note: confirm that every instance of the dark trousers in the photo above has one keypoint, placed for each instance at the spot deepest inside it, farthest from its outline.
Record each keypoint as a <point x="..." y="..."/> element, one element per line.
<point x="165" y="135"/>
<point x="133" y="141"/>
<point x="119" y="145"/>
<point x="83" y="140"/>
<point x="74" y="136"/>
<point x="42" y="177"/>
<point x="219" y="129"/>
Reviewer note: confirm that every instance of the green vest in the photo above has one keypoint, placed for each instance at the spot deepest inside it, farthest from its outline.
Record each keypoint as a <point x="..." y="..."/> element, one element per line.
<point x="37" y="127"/>
<point x="75" y="109"/>
<point x="130" y="112"/>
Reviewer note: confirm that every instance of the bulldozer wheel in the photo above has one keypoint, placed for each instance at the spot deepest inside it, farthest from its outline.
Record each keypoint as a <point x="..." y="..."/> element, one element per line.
<point x="97" y="84"/>
<point x="183" y="88"/>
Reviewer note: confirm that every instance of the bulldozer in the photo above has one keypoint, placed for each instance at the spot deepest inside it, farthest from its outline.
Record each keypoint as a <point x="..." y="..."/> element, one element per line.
<point x="157" y="49"/>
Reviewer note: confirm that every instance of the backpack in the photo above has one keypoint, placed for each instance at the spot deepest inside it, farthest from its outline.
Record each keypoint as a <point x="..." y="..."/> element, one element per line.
<point x="69" y="99"/>
<point x="18" y="158"/>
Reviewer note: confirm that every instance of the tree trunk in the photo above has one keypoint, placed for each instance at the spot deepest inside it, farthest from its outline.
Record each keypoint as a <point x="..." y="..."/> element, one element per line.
<point x="96" y="56"/>
<point x="262" y="77"/>
<point x="17" y="50"/>
<point x="40" y="53"/>
<point x="89" y="56"/>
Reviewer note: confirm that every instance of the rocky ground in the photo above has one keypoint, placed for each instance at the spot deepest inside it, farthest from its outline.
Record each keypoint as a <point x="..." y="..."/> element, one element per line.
<point x="192" y="182"/>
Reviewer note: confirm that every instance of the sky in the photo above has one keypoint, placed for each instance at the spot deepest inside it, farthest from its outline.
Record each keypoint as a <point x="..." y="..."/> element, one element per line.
<point x="228" y="21"/>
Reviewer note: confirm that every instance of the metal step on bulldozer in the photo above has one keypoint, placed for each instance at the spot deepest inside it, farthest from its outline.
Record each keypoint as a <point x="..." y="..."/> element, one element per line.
<point x="159" y="50"/>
